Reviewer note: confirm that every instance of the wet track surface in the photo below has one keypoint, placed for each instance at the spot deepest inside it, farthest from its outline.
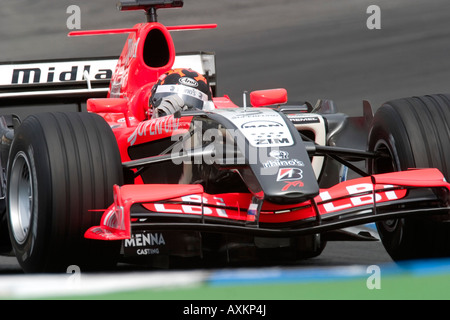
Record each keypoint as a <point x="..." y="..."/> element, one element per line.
<point x="314" y="49"/>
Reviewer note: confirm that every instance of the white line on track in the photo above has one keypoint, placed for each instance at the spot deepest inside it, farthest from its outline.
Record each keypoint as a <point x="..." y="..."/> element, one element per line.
<point x="40" y="286"/>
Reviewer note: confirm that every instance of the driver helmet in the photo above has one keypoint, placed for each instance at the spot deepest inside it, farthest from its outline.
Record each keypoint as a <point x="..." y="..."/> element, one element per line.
<point x="192" y="87"/>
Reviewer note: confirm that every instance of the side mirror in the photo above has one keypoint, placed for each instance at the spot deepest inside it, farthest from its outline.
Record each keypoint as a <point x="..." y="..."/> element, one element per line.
<point x="109" y="105"/>
<point x="261" y="98"/>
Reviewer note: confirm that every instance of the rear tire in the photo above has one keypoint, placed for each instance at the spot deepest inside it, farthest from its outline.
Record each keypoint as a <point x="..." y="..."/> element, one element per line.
<point x="415" y="132"/>
<point x="61" y="166"/>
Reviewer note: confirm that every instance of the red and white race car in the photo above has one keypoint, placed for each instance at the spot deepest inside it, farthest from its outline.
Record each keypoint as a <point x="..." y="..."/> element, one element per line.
<point x="126" y="171"/>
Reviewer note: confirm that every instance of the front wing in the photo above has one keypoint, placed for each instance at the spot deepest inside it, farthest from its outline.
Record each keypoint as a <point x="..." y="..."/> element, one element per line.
<point x="156" y="207"/>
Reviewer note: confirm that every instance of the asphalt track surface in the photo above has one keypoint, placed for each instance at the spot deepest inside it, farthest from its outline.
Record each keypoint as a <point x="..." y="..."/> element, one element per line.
<point x="313" y="48"/>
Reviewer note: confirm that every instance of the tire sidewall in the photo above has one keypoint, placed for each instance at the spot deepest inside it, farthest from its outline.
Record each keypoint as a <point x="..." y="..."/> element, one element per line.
<point x="30" y="253"/>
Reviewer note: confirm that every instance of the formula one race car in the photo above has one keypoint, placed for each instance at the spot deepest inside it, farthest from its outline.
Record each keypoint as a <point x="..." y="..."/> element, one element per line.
<point x="157" y="169"/>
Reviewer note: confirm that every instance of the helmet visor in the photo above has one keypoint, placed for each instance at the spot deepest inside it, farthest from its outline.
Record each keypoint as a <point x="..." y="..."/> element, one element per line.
<point x="193" y="98"/>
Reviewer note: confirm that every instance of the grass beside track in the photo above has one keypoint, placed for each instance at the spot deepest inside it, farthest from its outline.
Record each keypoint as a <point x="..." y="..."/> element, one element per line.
<point x="404" y="287"/>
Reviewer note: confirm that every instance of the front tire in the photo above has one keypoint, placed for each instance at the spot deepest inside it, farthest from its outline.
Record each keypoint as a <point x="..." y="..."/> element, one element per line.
<point x="61" y="169"/>
<point x="415" y="133"/>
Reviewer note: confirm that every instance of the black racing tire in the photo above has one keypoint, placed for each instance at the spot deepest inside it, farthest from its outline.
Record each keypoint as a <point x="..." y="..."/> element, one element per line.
<point x="415" y="132"/>
<point x="61" y="172"/>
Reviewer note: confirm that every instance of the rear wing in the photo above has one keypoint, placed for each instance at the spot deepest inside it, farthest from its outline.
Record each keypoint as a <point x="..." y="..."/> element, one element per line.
<point x="49" y="85"/>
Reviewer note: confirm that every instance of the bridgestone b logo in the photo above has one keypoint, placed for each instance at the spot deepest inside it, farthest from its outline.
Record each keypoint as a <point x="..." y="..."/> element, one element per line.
<point x="285" y="174"/>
